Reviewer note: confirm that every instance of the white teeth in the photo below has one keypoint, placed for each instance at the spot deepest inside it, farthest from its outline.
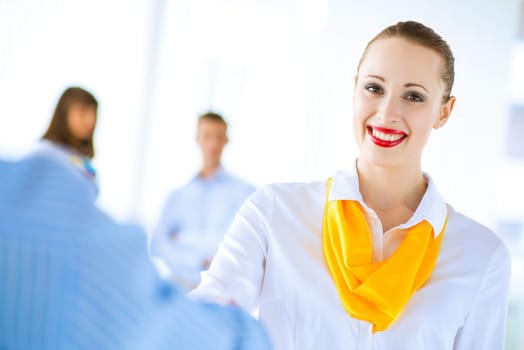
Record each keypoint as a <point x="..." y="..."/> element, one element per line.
<point x="385" y="137"/>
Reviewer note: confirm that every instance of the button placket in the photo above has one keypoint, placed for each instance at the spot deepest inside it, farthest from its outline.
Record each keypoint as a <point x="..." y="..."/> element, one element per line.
<point x="364" y="336"/>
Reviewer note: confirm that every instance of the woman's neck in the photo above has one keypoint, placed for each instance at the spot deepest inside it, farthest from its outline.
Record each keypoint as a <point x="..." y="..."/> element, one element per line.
<point x="394" y="193"/>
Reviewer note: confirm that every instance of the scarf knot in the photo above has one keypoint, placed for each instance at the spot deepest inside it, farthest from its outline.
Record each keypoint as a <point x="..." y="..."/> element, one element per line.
<point x="374" y="292"/>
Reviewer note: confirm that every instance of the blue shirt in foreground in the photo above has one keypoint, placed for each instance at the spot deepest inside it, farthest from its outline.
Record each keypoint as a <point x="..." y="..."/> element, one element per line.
<point x="71" y="278"/>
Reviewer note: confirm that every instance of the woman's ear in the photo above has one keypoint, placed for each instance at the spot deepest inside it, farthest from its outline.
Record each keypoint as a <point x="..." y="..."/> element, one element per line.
<point x="445" y="112"/>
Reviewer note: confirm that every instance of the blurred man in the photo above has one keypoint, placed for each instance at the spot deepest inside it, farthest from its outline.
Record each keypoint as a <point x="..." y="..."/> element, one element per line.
<point x="71" y="278"/>
<point x="196" y="216"/>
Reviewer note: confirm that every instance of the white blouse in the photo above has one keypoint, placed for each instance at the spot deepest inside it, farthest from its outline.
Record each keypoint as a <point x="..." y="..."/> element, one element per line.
<point x="271" y="259"/>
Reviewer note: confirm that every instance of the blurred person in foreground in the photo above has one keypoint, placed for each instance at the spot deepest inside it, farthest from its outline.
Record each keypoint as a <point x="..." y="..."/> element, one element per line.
<point x="196" y="216"/>
<point x="71" y="278"/>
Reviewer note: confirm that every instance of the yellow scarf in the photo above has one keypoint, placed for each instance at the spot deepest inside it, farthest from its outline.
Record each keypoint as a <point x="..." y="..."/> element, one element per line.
<point x="374" y="292"/>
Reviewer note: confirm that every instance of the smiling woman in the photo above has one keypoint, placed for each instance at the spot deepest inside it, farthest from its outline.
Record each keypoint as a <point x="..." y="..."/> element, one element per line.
<point x="373" y="256"/>
<point x="397" y="102"/>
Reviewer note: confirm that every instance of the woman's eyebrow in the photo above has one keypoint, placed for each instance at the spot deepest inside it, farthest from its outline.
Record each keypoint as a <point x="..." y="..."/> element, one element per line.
<point x="405" y="85"/>
<point x="413" y="84"/>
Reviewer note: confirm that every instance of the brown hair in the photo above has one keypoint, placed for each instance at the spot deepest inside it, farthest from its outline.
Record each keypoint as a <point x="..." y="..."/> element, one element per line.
<point x="419" y="34"/>
<point x="212" y="116"/>
<point x="58" y="130"/>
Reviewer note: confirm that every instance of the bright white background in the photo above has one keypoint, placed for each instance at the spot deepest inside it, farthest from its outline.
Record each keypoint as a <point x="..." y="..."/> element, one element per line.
<point x="281" y="72"/>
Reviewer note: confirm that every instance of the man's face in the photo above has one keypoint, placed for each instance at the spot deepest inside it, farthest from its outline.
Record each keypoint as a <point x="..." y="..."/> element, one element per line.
<point x="211" y="137"/>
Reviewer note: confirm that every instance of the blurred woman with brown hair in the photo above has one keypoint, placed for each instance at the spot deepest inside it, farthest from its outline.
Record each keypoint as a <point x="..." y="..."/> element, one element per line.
<point x="69" y="136"/>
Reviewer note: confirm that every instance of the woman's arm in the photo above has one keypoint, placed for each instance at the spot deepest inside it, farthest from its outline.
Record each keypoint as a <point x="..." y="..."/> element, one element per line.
<point x="237" y="270"/>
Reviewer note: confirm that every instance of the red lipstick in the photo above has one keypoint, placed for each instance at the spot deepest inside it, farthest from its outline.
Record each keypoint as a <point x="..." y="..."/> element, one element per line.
<point x="385" y="137"/>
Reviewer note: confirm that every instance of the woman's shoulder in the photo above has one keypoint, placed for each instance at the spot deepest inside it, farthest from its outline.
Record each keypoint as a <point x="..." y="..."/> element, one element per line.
<point x="295" y="190"/>
<point x="473" y="236"/>
<point x="289" y="198"/>
<point x="47" y="149"/>
<point x="50" y="151"/>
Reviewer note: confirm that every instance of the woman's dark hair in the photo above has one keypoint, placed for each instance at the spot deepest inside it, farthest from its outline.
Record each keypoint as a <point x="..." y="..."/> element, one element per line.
<point x="419" y="34"/>
<point x="58" y="130"/>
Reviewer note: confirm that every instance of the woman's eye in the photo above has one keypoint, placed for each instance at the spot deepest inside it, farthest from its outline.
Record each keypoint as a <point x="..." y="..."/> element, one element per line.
<point x="415" y="97"/>
<point x="373" y="88"/>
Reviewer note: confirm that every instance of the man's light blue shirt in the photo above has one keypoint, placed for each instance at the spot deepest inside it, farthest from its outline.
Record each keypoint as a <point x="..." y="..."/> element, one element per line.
<point x="72" y="278"/>
<point x="194" y="220"/>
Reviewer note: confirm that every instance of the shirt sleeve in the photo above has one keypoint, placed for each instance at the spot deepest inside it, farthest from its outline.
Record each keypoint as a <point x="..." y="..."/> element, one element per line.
<point x="485" y="326"/>
<point x="246" y="332"/>
<point x="72" y="278"/>
<point x="237" y="270"/>
<point x="185" y="324"/>
<point x="160" y="236"/>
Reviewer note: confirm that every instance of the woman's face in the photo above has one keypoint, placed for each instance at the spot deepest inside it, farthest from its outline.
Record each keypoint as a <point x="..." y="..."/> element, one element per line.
<point x="397" y="101"/>
<point x="81" y="120"/>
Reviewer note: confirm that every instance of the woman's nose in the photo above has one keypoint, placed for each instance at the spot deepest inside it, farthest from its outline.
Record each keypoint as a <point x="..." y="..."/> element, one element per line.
<point x="389" y="110"/>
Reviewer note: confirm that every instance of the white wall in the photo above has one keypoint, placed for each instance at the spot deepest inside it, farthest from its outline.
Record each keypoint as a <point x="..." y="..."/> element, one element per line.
<point x="280" y="71"/>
